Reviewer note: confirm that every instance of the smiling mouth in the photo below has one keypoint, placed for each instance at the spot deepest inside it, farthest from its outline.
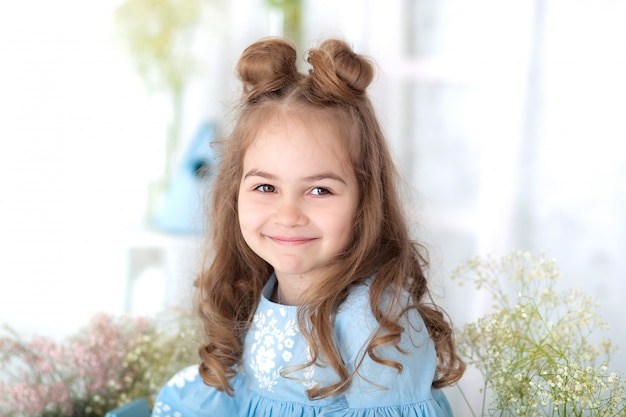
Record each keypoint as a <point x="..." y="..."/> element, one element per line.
<point x="291" y="241"/>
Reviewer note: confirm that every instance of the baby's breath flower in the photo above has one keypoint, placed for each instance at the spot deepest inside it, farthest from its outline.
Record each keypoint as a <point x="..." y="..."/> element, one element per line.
<point x="537" y="354"/>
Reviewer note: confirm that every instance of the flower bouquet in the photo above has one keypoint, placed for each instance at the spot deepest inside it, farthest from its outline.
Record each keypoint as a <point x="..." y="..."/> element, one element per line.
<point x="538" y="350"/>
<point x="108" y="363"/>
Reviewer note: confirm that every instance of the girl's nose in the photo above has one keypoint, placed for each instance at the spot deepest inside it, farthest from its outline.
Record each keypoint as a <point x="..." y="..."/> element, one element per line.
<point x="289" y="213"/>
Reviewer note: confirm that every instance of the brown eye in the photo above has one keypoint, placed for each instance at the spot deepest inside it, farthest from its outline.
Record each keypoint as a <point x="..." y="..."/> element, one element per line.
<point x="265" y="188"/>
<point x="320" y="191"/>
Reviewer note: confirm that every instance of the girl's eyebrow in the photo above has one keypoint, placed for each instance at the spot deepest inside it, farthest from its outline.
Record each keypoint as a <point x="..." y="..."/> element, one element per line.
<point x="259" y="173"/>
<point x="311" y="178"/>
<point x="324" y="176"/>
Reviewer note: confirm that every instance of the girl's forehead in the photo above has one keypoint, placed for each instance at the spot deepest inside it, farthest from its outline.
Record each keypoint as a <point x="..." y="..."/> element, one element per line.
<point x="294" y="137"/>
<point x="326" y="127"/>
<point x="296" y="132"/>
<point x="297" y="157"/>
<point x="295" y="125"/>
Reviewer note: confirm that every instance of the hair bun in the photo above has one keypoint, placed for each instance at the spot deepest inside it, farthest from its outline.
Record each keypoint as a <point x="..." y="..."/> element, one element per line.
<point x="267" y="66"/>
<point x="338" y="73"/>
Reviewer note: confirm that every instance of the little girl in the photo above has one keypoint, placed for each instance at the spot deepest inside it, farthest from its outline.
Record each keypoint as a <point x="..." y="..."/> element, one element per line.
<point x="314" y="302"/>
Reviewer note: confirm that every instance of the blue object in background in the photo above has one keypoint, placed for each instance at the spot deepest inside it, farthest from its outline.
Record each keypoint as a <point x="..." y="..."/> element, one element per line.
<point x="136" y="408"/>
<point x="180" y="209"/>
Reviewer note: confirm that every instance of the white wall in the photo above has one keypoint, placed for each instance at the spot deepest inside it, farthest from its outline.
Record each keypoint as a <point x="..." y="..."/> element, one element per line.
<point x="80" y="139"/>
<point x="76" y="146"/>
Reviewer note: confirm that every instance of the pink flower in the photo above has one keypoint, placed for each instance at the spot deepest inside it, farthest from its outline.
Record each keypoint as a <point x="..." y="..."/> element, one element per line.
<point x="94" y="370"/>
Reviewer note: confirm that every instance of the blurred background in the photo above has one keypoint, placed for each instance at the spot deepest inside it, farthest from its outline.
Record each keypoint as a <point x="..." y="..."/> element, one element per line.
<point x="507" y="121"/>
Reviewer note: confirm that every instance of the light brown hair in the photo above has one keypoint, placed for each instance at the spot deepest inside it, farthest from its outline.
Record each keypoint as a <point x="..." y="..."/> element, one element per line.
<point x="380" y="249"/>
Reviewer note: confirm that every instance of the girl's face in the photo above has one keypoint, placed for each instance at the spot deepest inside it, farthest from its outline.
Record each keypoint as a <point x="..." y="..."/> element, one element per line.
<point x="297" y="198"/>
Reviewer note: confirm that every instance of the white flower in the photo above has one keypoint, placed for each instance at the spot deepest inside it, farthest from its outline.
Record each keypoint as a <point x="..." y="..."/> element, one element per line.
<point x="269" y="341"/>
<point x="265" y="359"/>
<point x="536" y="353"/>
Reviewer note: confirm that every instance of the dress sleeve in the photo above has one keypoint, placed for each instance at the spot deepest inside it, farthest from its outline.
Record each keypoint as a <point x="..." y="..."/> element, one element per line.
<point x="380" y="390"/>
<point x="186" y="395"/>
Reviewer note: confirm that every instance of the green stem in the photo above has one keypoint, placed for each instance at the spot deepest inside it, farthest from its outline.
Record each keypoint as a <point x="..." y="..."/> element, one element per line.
<point x="482" y="410"/>
<point x="466" y="400"/>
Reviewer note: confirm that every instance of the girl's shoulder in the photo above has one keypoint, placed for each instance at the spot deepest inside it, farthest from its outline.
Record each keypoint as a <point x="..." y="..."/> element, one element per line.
<point x="358" y="301"/>
<point x="357" y="298"/>
<point x="355" y="317"/>
<point x="185" y="394"/>
<point x="414" y="352"/>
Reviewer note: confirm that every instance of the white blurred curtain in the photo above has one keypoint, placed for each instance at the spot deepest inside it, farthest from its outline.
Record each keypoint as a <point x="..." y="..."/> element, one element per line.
<point x="508" y="120"/>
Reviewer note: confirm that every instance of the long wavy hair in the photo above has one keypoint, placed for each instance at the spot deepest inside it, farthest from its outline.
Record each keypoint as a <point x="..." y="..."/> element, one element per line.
<point x="380" y="249"/>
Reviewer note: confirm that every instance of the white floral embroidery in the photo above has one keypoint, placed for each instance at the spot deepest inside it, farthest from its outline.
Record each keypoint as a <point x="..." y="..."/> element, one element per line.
<point x="265" y="359"/>
<point x="308" y="376"/>
<point x="160" y="408"/>
<point x="271" y="342"/>
<point x="184" y="376"/>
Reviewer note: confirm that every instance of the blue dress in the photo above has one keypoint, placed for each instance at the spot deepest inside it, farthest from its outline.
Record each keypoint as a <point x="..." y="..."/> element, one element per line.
<point x="274" y="345"/>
